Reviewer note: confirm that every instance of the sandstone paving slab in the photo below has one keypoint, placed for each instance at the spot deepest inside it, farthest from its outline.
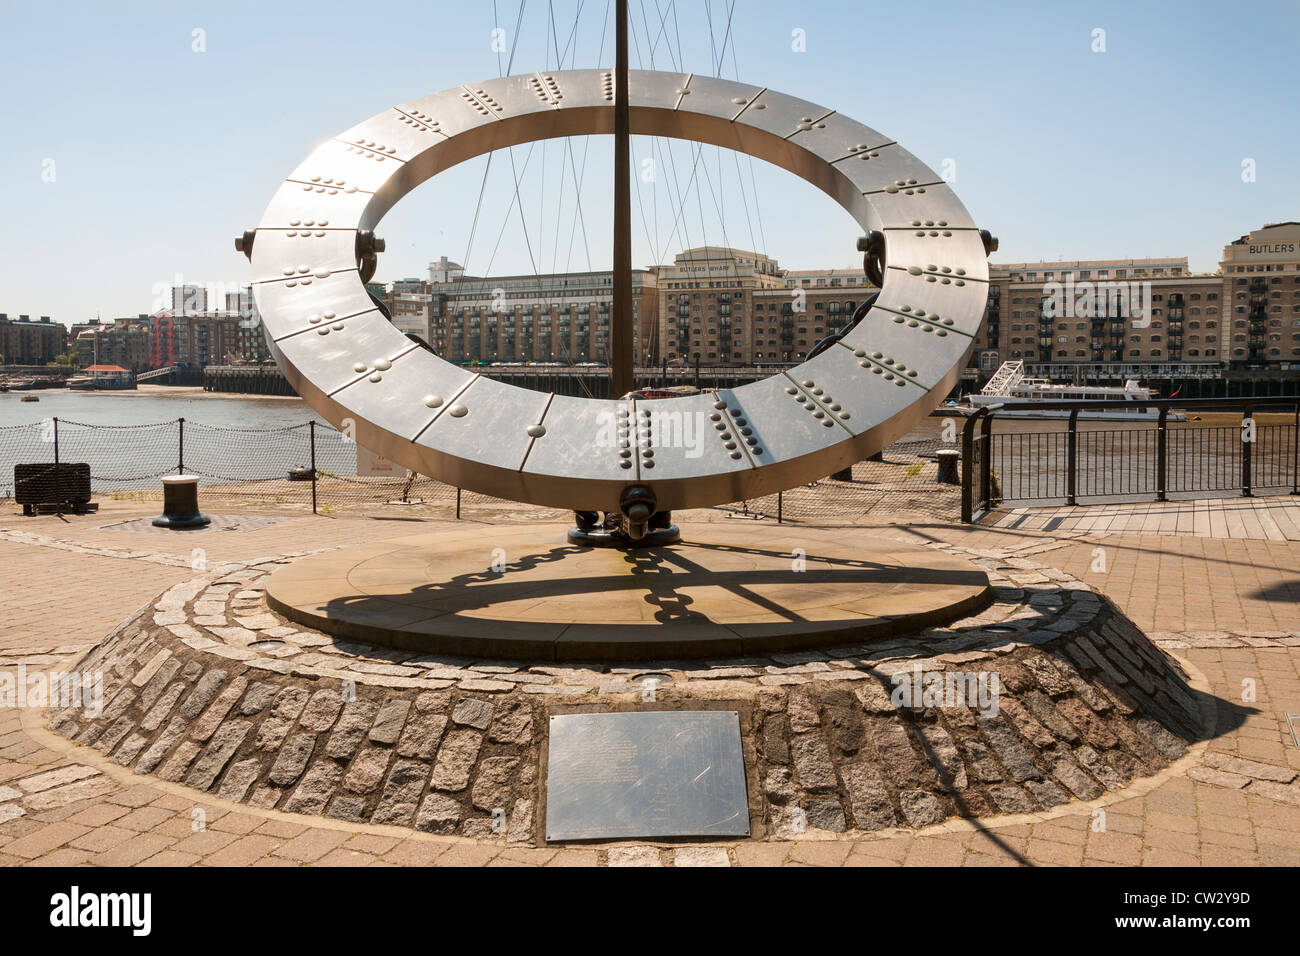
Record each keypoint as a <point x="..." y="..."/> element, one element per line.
<point x="1088" y="672"/>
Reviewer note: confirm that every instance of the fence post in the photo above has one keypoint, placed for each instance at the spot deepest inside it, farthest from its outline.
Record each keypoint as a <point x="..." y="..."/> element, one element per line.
<point x="313" y="465"/>
<point x="967" y="469"/>
<point x="986" y="460"/>
<point x="1072" y="459"/>
<point x="180" y="465"/>
<point x="1162" y="456"/>
<point x="56" y="439"/>
<point x="1247" y="415"/>
<point x="779" y="506"/>
<point x="1295" y="453"/>
<point x="457" y="504"/>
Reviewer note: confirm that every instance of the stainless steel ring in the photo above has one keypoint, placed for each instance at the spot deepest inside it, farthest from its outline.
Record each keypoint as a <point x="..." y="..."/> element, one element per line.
<point x="350" y="364"/>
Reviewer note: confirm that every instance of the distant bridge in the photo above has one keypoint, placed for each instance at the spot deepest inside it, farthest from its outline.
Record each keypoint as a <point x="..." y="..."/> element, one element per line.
<point x="157" y="373"/>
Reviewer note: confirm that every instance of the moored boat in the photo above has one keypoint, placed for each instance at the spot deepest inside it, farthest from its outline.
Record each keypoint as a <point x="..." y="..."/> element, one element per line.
<point x="1017" y="395"/>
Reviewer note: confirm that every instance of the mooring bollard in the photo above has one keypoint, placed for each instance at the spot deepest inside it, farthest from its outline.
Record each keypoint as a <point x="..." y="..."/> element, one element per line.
<point x="948" y="458"/>
<point x="181" y="504"/>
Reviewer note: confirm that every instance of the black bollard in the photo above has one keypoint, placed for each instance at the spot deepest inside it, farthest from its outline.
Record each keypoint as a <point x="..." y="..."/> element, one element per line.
<point x="181" y="504"/>
<point x="948" y="458"/>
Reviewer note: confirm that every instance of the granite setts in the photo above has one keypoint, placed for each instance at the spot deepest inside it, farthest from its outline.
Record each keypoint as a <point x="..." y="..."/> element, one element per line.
<point x="208" y="688"/>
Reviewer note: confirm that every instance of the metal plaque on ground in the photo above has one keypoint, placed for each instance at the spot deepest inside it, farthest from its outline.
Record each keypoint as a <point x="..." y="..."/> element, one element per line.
<point x="645" y="774"/>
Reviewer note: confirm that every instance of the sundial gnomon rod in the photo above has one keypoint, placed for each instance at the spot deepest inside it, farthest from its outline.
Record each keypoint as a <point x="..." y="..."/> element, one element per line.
<point x="621" y="333"/>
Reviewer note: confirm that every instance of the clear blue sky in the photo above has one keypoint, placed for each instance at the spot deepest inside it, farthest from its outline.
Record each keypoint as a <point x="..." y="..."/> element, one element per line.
<point x="161" y="155"/>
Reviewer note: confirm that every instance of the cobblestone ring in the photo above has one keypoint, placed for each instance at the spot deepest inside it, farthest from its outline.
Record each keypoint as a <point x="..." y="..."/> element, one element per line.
<point x="348" y="362"/>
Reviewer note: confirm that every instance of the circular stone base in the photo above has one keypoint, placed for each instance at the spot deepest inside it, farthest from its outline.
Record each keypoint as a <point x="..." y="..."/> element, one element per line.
<point x="517" y="592"/>
<point x="1047" y="696"/>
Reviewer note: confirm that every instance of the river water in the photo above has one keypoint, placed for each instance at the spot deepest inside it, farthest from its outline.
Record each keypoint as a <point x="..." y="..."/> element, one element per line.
<point x="149" y="404"/>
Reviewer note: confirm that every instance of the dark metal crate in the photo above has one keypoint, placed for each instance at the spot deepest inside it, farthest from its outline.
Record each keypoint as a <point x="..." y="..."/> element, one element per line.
<point x="39" y="486"/>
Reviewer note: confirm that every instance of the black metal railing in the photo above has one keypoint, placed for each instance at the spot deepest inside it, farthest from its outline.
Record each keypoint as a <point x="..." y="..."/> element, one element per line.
<point x="1148" y="458"/>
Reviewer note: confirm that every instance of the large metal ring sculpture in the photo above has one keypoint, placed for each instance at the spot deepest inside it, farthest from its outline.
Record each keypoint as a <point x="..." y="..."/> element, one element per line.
<point x="841" y="406"/>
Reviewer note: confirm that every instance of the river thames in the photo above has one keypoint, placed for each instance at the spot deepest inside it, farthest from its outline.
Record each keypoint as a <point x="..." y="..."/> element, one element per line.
<point x="157" y="403"/>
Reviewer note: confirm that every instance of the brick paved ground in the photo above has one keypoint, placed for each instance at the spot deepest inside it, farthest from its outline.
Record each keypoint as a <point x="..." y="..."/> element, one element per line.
<point x="1275" y="518"/>
<point x="1235" y="802"/>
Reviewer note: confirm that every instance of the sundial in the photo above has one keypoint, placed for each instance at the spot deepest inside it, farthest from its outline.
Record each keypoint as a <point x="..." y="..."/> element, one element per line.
<point x="315" y="247"/>
<point x="752" y="681"/>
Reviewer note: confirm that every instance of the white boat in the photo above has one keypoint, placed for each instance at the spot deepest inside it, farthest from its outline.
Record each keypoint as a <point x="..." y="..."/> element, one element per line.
<point x="1017" y="395"/>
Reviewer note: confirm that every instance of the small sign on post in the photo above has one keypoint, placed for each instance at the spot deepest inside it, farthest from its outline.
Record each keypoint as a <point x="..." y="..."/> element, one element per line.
<point x="370" y="465"/>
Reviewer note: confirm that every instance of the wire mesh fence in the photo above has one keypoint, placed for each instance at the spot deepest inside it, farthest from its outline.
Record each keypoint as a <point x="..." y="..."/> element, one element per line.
<point x="902" y="480"/>
<point x="313" y="467"/>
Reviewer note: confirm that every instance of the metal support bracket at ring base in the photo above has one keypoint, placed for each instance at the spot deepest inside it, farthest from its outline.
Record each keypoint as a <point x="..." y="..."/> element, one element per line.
<point x="637" y="524"/>
<point x="590" y="532"/>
